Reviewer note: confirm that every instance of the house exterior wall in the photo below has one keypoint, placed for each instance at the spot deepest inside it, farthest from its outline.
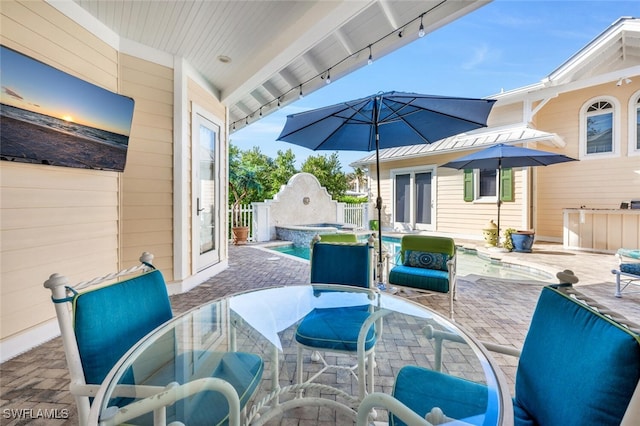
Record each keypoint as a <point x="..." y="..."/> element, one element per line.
<point x="147" y="182"/>
<point x="453" y="214"/>
<point x="541" y="193"/>
<point x="87" y="223"/>
<point x="54" y="219"/>
<point x="597" y="183"/>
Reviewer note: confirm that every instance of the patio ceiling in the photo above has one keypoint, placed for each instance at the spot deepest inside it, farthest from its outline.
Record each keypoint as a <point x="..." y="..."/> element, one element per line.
<point x="258" y="53"/>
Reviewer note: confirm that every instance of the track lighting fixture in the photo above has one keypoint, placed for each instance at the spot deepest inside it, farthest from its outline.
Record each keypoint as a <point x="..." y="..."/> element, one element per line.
<point x="326" y="75"/>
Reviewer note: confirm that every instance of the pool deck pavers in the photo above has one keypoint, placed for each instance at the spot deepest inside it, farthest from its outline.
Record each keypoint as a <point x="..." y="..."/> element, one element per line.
<point x="494" y="310"/>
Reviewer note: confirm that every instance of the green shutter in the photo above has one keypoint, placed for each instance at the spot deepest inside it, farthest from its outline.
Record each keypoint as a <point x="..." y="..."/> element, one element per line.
<point x="506" y="185"/>
<point x="468" y="185"/>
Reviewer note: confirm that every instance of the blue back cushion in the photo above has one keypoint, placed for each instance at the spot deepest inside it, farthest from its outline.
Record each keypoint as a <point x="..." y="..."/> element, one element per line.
<point x="108" y="321"/>
<point x="577" y="367"/>
<point x="336" y="263"/>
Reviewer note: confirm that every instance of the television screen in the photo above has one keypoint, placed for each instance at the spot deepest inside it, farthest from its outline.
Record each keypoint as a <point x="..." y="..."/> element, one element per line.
<point x="50" y="117"/>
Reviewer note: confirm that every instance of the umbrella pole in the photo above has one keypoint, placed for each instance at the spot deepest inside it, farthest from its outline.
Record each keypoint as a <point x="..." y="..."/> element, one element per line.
<point x="499" y="199"/>
<point x="379" y="197"/>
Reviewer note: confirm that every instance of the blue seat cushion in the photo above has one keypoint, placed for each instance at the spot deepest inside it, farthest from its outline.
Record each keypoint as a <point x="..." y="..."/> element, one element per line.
<point x="109" y="320"/>
<point x="577" y="367"/>
<point x="630" y="268"/>
<point x="335" y="328"/>
<point x="242" y="370"/>
<point x="420" y="278"/>
<point x="422" y="389"/>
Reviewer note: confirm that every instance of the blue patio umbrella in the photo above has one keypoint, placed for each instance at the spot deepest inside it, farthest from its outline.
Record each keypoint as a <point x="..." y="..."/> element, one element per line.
<point x="499" y="156"/>
<point x="385" y="120"/>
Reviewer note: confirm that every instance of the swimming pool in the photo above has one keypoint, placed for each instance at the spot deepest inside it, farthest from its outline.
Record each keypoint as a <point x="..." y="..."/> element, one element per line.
<point x="470" y="262"/>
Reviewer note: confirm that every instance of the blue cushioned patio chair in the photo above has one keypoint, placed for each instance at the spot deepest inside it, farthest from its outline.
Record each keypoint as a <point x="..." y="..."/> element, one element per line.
<point x="579" y="365"/>
<point x="426" y="264"/>
<point x="100" y="324"/>
<point x="337" y="329"/>
<point x="628" y="272"/>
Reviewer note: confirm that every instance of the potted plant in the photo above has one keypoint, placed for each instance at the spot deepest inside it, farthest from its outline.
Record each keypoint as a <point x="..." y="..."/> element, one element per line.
<point x="242" y="180"/>
<point x="523" y="241"/>
<point x="508" y="242"/>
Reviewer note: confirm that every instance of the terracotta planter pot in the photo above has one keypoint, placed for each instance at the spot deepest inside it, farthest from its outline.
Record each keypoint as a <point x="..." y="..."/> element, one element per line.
<point x="240" y="234"/>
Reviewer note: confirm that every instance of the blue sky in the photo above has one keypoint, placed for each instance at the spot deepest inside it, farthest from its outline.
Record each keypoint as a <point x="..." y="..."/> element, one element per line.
<point x="506" y="44"/>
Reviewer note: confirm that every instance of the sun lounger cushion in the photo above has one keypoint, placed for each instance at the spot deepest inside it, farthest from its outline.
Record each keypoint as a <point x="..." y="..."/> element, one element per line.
<point x="630" y="268"/>
<point x="600" y="366"/>
<point x="425" y="259"/>
<point x="135" y="306"/>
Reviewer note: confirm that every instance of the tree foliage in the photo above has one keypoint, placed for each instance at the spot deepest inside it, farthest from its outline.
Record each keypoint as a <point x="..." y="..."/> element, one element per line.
<point x="329" y="173"/>
<point x="246" y="168"/>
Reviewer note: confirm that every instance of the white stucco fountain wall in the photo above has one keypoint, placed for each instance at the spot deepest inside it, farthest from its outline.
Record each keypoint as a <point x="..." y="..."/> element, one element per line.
<point x="298" y="204"/>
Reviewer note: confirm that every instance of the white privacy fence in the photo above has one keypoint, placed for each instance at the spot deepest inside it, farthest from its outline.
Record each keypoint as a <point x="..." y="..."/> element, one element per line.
<point x="355" y="214"/>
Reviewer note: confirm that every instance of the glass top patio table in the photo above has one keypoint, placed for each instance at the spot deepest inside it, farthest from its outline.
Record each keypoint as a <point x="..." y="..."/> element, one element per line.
<point x="264" y="322"/>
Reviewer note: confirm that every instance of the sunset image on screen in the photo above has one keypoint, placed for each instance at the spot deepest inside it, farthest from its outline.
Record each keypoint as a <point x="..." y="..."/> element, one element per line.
<point x="51" y="117"/>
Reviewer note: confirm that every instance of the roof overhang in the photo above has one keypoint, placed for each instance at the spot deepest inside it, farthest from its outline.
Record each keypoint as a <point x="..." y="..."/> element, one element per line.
<point x="480" y="138"/>
<point x="258" y="55"/>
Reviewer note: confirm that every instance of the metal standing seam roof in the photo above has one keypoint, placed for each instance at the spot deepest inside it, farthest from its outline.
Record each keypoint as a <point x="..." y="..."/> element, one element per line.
<point x="463" y="142"/>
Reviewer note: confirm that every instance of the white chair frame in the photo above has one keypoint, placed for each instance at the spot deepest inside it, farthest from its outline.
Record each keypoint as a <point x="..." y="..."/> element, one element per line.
<point x="155" y="398"/>
<point x="435" y="417"/>
<point x="363" y="370"/>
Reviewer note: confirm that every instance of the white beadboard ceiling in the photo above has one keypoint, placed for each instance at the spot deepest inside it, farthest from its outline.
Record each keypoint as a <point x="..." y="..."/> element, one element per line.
<point x="274" y="46"/>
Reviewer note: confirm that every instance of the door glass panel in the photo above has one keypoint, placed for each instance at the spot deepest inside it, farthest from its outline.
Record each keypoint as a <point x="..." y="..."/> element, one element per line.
<point x="423" y="198"/>
<point x="403" y="198"/>
<point x="207" y="194"/>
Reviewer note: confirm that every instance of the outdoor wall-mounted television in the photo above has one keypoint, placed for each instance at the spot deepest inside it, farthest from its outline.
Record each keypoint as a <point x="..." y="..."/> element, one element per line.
<point x="50" y="117"/>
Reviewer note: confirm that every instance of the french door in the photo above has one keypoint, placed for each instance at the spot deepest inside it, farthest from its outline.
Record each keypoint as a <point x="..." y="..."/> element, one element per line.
<point x="206" y="217"/>
<point x="413" y="201"/>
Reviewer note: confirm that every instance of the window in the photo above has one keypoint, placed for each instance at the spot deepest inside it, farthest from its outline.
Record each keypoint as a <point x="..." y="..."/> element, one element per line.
<point x="599" y="129"/>
<point x="487" y="183"/>
<point x="482" y="185"/>
<point x="634" y="124"/>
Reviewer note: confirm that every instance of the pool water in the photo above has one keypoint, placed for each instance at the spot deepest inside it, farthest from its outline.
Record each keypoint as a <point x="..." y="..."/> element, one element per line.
<point x="469" y="263"/>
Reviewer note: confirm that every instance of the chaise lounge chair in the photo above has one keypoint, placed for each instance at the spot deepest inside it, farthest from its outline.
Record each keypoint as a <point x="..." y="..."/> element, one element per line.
<point x="628" y="272"/>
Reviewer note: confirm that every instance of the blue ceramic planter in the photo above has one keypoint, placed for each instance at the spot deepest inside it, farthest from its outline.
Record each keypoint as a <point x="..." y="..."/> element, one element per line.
<point x="522" y="242"/>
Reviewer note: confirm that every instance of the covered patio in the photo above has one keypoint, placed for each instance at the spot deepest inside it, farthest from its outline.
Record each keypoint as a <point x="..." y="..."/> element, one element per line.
<point x="491" y="309"/>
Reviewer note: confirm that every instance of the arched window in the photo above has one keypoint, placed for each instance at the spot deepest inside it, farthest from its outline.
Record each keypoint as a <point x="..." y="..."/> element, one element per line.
<point x="634" y="124"/>
<point x="599" y="123"/>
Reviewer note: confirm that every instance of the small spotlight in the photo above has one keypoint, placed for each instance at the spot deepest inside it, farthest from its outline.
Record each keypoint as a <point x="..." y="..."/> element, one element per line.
<point x="619" y="83"/>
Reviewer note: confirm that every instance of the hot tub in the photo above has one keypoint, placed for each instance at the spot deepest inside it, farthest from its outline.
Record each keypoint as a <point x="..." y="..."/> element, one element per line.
<point x="301" y="235"/>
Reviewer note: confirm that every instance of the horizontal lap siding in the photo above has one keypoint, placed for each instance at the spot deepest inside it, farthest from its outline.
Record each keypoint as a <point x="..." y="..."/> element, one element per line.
<point x="147" y="182"/>
<point x="454" y="215"/>
<point x="53" y="219"/>
<point x="593" y="183"/>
